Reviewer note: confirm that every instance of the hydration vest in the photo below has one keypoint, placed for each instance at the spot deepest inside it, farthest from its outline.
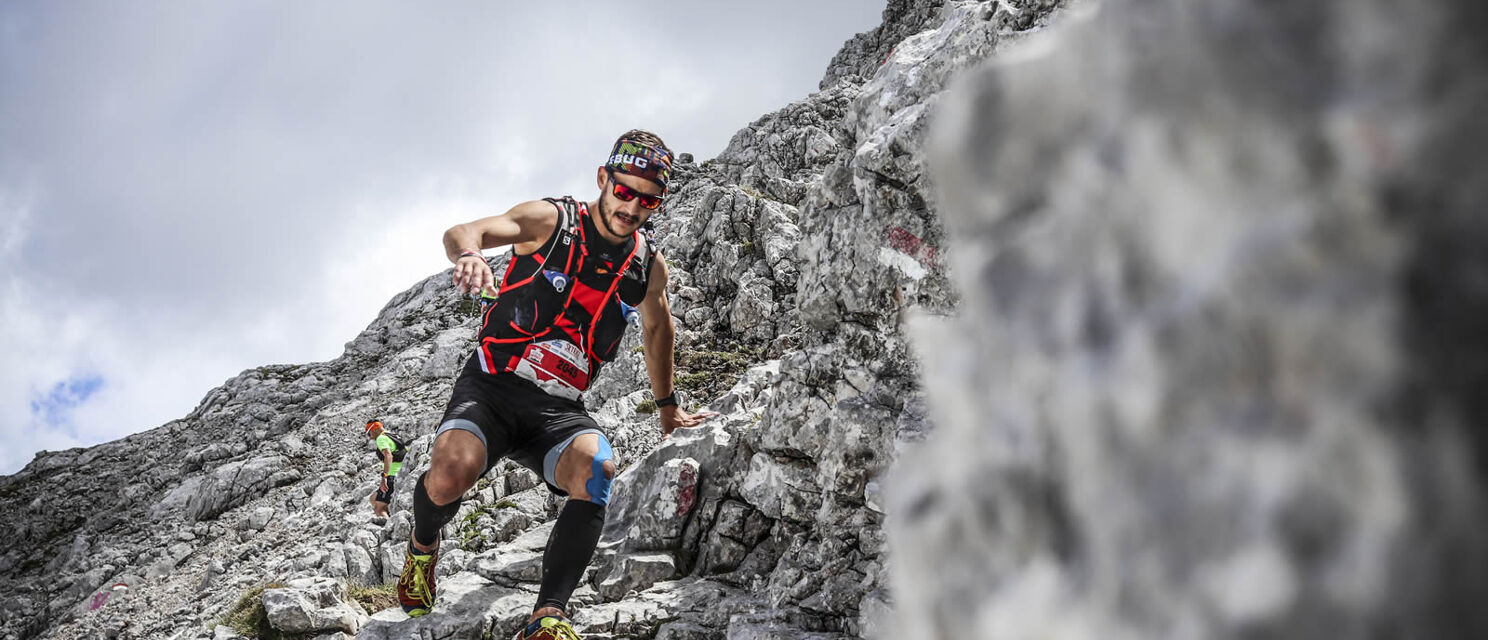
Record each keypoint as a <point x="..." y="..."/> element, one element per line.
<point x="561" y="311"/>
<point x="399" y="451"/>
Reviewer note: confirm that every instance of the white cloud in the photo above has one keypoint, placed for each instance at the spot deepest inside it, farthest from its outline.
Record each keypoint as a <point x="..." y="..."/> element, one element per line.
<point x="14" y="218"/>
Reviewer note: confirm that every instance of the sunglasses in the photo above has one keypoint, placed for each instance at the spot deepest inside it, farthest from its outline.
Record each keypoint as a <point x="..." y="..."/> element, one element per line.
<point x="626" y="194"/>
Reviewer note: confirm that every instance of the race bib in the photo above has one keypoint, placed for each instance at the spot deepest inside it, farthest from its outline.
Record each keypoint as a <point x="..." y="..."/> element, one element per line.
<point x="558" y="367"/>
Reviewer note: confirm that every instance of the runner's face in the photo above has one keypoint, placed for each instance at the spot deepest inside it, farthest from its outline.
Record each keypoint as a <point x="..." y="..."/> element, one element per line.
<point x="618" y="218"/>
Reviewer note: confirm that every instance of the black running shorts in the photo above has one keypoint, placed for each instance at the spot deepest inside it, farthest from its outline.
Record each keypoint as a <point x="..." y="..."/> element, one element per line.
<point x="515" y="419"/>
<point x="386" y="497"/>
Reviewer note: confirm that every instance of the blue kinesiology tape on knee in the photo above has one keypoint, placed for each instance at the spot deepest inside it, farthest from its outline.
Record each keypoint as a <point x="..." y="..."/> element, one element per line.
<point x="598" y="485"/>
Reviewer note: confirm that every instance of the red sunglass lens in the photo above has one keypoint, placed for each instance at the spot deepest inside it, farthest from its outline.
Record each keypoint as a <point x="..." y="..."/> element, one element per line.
<point x="626" y="195"/>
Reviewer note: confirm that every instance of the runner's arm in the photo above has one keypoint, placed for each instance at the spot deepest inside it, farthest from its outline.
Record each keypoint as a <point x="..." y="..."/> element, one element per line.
<point x="526" y="226"/>
<point x="658" y="334"/>
<point x="387" y="464"/>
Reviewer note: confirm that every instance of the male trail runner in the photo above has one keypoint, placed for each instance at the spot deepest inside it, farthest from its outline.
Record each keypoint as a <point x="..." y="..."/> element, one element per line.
<point x="579" y="273"/>
<point x="391" y="453"/>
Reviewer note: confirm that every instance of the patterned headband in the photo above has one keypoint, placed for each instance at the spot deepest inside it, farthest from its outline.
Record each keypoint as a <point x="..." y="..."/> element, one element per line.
<point x="641" y="160"/>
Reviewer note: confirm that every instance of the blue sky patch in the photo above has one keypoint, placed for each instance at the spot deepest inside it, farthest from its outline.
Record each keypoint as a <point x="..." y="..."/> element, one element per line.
<point x="54" y="408"/>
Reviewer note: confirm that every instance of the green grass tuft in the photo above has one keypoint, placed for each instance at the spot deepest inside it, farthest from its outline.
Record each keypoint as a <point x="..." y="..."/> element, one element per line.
<point x="374" y="598"/>
<point x="706" y="373"/>
<point x="472" y="540"/>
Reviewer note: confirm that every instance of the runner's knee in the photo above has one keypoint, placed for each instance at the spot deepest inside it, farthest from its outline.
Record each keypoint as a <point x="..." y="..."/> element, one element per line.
<point x="601" y="474"/>
<point x="457" y="462"/>
<point x="586" y="469"/>
<point x="445" y="485"/>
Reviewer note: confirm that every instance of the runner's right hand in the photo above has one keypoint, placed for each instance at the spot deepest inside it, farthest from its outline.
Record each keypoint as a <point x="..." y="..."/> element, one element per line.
<point x="473" y="275"/>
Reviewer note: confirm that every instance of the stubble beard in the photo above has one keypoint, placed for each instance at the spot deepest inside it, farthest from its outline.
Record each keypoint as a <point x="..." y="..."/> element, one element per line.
<point x="604" y="217"/>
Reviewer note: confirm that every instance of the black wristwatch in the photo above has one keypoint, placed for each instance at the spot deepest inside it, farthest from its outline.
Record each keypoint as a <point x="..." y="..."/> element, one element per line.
<point x="669" y="401"/>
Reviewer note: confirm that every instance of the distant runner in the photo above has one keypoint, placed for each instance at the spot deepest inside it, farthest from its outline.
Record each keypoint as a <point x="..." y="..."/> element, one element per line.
<point x="391" y="451"/>
<point x="578" y="274"/>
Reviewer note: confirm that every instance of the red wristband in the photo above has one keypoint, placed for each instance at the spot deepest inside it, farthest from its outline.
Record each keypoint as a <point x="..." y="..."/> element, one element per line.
<point x="468" y="253"/>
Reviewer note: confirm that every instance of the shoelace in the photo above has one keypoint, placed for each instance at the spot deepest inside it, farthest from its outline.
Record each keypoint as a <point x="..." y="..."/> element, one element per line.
<point x="560" y="627"/>
<point x="413" y="575"/>
<point x="565" y="631"/>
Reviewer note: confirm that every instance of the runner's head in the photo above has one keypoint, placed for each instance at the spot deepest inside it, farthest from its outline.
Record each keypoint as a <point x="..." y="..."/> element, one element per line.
<point x="374" y="428"/>
<point x="632" y="183"/>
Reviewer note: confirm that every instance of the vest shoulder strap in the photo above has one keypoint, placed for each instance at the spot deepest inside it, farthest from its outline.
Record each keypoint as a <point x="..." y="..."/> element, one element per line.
<point x="566" y="231"/>
<point x="568" y="214"/>
<point x="643" y="255"/>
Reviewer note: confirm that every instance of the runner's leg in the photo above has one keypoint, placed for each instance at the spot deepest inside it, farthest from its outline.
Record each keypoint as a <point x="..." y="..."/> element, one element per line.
<point x="458" y="460"/>
<point x="584" y="470"/>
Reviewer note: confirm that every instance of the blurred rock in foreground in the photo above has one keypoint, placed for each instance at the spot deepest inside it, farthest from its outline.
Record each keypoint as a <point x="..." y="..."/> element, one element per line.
<point x="1219" y="368"/>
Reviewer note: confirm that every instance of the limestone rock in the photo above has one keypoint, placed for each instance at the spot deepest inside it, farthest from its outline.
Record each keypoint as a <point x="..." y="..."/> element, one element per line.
<point x="361" y="567"/>
<point x="469" y="606"/>
<point x="235" y="482"/>
<point x="634" y="572"/>
<point x="312" y="604"/>
<point x="659" y="499"/>
<point x="510" y="567"/>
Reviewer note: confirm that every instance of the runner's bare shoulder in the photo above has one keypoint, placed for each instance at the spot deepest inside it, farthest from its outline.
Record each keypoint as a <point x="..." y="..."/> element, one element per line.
<point x="536" y="220"/>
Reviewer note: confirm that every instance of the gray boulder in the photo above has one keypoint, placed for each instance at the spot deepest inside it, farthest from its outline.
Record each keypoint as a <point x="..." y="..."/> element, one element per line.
<point x="312" y="604"/>
<point x="236" y="482"/>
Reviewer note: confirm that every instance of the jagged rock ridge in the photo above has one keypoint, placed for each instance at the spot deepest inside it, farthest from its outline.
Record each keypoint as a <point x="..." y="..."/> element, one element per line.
<point x="795" y="256"/>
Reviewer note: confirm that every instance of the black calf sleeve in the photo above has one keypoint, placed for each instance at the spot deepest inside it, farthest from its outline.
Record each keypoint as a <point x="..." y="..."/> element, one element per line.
<point x="429" y="518"/>
<point x="570" y="547"/>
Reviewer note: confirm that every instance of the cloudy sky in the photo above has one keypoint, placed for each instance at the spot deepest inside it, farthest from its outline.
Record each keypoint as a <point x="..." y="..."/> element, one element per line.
<point x="188" y="190"/>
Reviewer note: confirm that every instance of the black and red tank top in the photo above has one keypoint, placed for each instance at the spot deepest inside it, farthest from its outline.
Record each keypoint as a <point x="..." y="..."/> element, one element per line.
<point x="574" y="296"/>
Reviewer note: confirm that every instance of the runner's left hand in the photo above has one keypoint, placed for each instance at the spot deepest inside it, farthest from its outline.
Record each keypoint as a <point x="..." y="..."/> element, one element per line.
<point x="673" y="418"/>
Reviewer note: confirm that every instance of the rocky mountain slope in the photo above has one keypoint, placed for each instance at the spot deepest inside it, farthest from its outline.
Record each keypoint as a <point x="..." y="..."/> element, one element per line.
<point x="797" y="256"/>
